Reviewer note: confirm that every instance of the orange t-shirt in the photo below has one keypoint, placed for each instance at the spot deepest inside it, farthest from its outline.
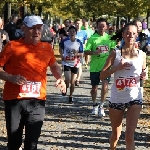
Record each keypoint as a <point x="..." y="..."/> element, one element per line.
<point x="29" y="61"/>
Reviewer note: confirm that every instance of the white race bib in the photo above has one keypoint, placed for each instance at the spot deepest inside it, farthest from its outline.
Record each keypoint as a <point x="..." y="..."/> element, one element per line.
<point x="31" y="89"/>
<point x="126" y="83"/>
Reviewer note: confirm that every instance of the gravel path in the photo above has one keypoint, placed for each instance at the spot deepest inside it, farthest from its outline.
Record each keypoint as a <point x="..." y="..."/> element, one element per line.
<point x="72" y="127"/>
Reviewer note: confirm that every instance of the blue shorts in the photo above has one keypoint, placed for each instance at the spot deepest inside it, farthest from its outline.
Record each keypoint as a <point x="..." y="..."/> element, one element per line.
<point x="95" y="78"/>
<point x="123" y="106"/>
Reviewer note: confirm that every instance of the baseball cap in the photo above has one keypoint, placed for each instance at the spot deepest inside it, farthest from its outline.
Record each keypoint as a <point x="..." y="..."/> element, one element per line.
<point x="32" y="20"/>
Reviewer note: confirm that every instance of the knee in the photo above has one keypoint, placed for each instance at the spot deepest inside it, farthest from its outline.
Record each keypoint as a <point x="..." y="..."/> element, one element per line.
<point x="105" y="88"/>
<point x="115" y="136"/>
<point x="94" y="90"/>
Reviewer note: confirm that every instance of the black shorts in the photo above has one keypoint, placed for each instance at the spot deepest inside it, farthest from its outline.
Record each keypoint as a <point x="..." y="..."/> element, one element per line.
<point x="72" y="69"/>
<point x="95" y="78"/>
<point x="123" y="106"/>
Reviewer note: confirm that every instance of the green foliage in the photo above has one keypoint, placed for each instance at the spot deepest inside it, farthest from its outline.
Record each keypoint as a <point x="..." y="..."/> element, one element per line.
<point x="90" y="8"/>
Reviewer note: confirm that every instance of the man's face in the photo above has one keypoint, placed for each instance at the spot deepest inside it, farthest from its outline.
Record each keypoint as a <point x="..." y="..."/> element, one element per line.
<point x="86" y="25"/>
<point x="78" y="24"/>
<point x="33" y="34"/>
<point x="72" y="32"/>
<point x="15" y="20"/>
<point x="101" y="27"/>
<point x="67" y="23"/>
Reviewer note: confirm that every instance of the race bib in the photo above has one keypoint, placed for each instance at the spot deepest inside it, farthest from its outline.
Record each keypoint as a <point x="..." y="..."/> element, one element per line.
<point x="70" y="58"/>
<point x="125" y="83"/>
<point x="103" y="49"/>
<point x="31" y="89"/>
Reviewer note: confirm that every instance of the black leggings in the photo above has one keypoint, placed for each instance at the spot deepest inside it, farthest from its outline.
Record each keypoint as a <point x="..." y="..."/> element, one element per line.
<point x="20" y="113"/>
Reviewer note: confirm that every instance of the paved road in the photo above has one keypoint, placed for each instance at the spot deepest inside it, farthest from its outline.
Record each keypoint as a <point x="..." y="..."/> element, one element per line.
<point x="72" y="127"/>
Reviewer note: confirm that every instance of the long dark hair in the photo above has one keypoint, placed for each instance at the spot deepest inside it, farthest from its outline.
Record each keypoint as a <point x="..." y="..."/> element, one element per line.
<point x="118" y="35"/>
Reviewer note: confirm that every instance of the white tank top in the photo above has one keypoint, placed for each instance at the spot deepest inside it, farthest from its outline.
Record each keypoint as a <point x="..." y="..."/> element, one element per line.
<point x="126" y="86"/>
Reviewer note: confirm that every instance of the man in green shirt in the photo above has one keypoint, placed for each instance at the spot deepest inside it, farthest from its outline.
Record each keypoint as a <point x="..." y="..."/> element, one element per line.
<point x="98" y="46"/>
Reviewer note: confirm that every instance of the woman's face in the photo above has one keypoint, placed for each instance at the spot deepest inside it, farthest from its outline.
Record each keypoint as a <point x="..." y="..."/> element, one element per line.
<point x="130" y="34"/>
<point x="139" y="25"/>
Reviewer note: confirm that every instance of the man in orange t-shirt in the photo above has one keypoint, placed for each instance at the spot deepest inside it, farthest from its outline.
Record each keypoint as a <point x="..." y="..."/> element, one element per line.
<point x="26" y="61"/>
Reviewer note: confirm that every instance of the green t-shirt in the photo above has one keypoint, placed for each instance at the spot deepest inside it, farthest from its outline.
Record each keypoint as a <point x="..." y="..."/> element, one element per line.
<point x="89" y="32"/>
<point x="83" y="28"/>
<point x="104" y="43"/>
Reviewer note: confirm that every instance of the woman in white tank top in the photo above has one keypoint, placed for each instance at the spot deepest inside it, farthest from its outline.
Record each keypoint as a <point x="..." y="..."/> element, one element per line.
<point x="128" y="65"/>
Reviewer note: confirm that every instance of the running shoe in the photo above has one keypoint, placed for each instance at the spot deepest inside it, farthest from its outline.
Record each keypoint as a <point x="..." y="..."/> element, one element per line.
<point x="95" y="109"/>
<point x="70" y="100"/>
<point x="101" y="112"/>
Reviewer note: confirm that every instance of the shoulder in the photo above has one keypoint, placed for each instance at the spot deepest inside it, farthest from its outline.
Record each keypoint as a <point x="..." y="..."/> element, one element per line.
<point x="78" y="41"/>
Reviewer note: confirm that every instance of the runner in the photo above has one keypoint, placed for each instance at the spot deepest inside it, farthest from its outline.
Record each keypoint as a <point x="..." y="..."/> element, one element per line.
<point x="82" y="36"/>
<point x="26" y="61"/>
<point x="63" y="33"/>
<point x="98" y="46"/>
<point x="72" y="50"/>
<point x="89" y="32"/>
<point x="128" y="65"/>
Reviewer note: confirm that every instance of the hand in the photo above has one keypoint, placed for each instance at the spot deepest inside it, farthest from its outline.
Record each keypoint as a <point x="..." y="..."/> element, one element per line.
<point x="63" y="58"/>
<point x="75" y="52"/>
<point x="122" y="65"/>
<point x="17" y="79"/>
<point x="61" y="84"/>
<point x="4" y="37"/>
<point x="143" y="75"/>
<point x="98" y="51"/>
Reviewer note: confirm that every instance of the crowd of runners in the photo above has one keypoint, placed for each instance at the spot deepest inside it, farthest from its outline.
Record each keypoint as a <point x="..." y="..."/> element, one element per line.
<point x="27" y="49"/>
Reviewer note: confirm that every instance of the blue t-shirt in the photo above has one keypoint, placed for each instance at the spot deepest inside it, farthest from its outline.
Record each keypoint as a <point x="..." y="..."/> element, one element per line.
<point x="81" y="35"/>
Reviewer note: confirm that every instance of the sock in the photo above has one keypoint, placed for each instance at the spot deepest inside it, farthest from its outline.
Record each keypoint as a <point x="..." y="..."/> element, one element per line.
<point x="95" y="103"/>
<point x="101" y="104"/>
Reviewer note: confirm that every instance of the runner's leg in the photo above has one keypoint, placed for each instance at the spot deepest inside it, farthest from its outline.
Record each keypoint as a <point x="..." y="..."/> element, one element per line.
<point x="132" y="116"/>
<point x="116" y="117"/>
<point x="14" y="123"/>
<point x="104" y="92"/>
<point x="72" y="82"/>
<point x="34" y="122"/>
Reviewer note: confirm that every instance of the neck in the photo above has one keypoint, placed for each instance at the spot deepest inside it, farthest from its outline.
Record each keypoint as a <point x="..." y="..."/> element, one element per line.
<point x="78" y="30"/>
<point x="101" y="33"/>
<point x="72" y="39"/>
<point x="129" y="48"/>
<point x="30" y="42"/>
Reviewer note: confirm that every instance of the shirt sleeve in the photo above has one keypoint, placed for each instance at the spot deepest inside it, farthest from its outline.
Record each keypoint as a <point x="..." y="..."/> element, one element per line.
<point x="62" y="44"/>
<point x="81" y="47"/>
<point x="5" y="54"/>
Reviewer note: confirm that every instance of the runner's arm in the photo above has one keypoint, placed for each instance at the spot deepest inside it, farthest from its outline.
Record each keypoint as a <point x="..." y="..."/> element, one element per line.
<point x="89" y="52"/>
<point x="57" y="73"/>
<point x="106" y="72"/>
<point x="56" y="70"/>
<point x="4" y="75"/>
<point x="144" y="61"/>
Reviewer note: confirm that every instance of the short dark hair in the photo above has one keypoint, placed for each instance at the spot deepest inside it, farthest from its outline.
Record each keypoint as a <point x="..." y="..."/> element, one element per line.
<point x="77" y="20"/>
<point x="72" y="27"/>
<point x="101" y="20"/>
<point x="67" y="20"/>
